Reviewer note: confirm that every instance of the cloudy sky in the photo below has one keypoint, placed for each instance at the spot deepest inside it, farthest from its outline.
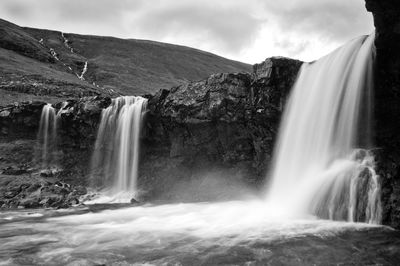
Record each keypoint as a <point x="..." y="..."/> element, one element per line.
<point x="244" y="30"/>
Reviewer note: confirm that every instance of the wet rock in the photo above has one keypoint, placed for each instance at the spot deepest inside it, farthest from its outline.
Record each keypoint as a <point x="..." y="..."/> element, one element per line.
<point x="13" y="171"/>
<point x="80" y="191"/>
<point x="20" y="119"/>
<point x="34" y="187"/>
<point x="29" y="192"/>
<point x="29" y="203"/>
<point x="45" y="202"/>
<point x="46" y="173"/>
<point x="50" y="172"/>
<point x="10" y="194"/>
<point x="73" y="201"/>
<point x="134" y="201"/>
<point x="4" y="113"/>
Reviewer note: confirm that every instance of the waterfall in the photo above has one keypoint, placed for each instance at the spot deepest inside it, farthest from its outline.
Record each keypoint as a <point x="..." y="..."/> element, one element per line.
<point x="84" y="70"/>
<point x="47" y="136"/>
<point x="318" y="165"/>
<point x="115" y="158"/>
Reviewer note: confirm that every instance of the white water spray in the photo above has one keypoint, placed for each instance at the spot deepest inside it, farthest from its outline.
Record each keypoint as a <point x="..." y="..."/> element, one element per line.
<point x="317" y="168"/>
<point x="115" y="159"/>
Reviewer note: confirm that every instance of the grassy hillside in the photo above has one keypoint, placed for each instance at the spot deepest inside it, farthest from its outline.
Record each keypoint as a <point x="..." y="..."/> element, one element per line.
<point x="37" y="63"/>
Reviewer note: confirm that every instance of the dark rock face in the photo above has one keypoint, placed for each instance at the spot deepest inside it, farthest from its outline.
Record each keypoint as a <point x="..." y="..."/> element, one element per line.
<point x="387" y="108"/>
<point x="34" y="192"/>
<point x="20" y="119"/>
<point x="228" y="121"/>
<point x="77" y="135"/>
<point x="22" y="183"/>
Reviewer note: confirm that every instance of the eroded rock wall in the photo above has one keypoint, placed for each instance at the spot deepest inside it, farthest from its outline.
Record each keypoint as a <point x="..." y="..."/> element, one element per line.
<point x="224" y="126"/>
<point x="387" y="103"/>
<point x="22" y="183"/>
<point x="227" y="123"/>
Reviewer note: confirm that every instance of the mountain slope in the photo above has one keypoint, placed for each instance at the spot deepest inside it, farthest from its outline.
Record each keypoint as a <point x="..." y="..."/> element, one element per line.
<point x="50" y="63"/>
<point x="29" y="71"/>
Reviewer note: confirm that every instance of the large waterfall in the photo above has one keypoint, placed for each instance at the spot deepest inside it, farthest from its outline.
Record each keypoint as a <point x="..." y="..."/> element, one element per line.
<point x="115" y="159"/>
<point x="319" y="166"/>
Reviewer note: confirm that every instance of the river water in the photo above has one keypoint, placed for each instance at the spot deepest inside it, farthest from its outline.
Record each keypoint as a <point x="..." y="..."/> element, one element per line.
<point x="224" y="233"/>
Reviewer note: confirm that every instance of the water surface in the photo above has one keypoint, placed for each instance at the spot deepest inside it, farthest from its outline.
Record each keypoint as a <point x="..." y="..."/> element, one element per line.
<point x="226" y="233"/>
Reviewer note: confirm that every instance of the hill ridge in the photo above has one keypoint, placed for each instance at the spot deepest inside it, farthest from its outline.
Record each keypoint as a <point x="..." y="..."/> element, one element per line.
<point x="114" y="65"/>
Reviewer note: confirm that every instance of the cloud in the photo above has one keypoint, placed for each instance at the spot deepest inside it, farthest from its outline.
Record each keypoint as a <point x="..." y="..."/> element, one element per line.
<point x="230" y="27"/>
<point x="14" y="9"/>
<point x="247" y="30"/>
<point x="331" y="19"/>
<point x="293" y="48"/>
<point x="309" y="29"/>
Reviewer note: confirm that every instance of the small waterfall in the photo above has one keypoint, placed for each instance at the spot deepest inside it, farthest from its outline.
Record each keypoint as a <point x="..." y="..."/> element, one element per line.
<point x="63" y="107"/>
<point x="318" y="167"/>
<point x="47" y="136"/>
<point x="115" y="158"/>
<point x="84" y="70"/>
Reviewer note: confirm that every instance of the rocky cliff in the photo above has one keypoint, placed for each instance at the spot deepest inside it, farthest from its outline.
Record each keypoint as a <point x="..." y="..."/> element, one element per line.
<point x="23" y="184"/>
<point x="387" y="103"/>
<point x="225" y="124"/>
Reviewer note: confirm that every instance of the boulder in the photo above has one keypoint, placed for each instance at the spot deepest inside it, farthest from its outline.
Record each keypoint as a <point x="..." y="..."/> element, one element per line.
<point x="50" y="172"/>
<point x="33" y="192"/>
<point x="14" y="171"/>
<point x="134" y="201"/>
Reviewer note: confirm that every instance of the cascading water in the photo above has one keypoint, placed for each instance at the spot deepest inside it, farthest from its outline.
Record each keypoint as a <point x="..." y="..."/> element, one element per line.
<point x="115" y="159"/>
<point x="317" y="167"/>
<point x="47" y="136"/>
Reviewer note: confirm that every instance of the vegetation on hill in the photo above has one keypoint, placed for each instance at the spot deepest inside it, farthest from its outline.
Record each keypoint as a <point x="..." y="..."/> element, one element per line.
<point x="44" y="64"/>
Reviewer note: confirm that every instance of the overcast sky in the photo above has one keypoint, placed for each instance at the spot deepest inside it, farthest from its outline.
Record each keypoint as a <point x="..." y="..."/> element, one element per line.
<point x="244" y="30"/>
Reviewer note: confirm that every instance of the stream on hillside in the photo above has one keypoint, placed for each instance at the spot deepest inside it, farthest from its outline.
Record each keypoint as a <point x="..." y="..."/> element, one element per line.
<point x="222" y="233"/>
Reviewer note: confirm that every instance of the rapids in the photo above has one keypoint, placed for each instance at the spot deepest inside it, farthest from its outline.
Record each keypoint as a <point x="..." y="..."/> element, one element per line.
<point x="226" y="233"/>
